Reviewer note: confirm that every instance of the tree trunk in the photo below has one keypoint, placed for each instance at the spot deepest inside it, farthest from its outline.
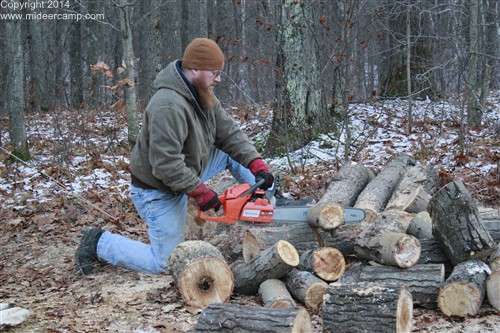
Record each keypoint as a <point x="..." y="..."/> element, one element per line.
<point x="201" y="273"/>
<point x="378" y="192"/>
<point x="387" y="247"/>
<point x="424" y="281"/>
<point x="493" y="289"/>
<point x="346" y="185"/>
<point x="130" y="76"/>
<point x="420" y="226"/>
<point x="15" y="89"/>
<point x="272" y="263"/>
<point x="300" y="110"/>
<point x="410" y="195"/>
<point x="228" y="318"/>
<point x="458" y="225"/>
<point x="257" y="239"/>
<point x="463" y="292"/>
<point x="367" y="307"/>
<point x="474" y="113"/>
<point x="275" y="295"/>
<point x="306" y="287"/>
<point x="327" y="263"/>
<point x="343" y="238"/>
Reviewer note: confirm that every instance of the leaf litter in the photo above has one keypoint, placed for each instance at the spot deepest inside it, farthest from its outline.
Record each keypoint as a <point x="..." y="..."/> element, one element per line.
<point x="86" y="152"/>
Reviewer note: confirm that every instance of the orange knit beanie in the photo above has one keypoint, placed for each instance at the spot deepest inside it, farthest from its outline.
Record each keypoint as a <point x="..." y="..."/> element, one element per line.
<point x="203" y="53"/>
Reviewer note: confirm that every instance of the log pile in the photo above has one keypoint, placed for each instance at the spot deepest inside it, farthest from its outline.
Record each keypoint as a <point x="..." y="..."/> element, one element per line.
<point x="420" y="245"/>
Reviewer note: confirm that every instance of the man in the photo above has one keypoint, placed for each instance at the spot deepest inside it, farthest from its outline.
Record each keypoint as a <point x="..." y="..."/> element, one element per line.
<point x="186" y="138"/>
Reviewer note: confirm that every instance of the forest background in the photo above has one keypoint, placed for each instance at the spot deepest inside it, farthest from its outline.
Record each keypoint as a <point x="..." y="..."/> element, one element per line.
<point x="364" y="79"/>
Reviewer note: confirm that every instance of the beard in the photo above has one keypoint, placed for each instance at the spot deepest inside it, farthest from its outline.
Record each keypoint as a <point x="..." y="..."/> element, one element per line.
<point x="206" y="95"/>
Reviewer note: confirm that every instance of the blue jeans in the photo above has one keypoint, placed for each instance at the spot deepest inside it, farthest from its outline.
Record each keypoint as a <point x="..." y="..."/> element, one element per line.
<point x="165" y="215"/>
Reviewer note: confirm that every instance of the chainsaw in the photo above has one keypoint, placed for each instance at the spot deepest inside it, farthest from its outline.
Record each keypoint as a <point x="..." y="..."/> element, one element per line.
<point x="249" y="204"/>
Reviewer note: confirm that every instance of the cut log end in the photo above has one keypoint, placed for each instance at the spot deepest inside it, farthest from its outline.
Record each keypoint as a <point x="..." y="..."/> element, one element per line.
<point x="404" y="312"/>
<point x="407" y="251"/>
<point x="206" y="281"/>
<point x="314" y="295"/>
<point x="459" y="299"/>
<point x="288" y="253"/>
<point x="493" y="289"/>
<point x="327" y="216"/>
<point x="302" y="322"/>
<point x="329" y="263"/>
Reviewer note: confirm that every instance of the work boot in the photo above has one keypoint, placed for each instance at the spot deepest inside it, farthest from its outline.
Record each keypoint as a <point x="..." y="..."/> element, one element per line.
<point x="86" y="254"/>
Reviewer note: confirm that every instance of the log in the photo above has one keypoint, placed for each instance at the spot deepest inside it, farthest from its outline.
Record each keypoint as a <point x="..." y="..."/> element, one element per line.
<point x="424" y="281"/>
<point x="257" y="239"/>
<point x="411" y="195"/>
<point x="201" y="274"/>
<point x="494" y="260"/>
<point x="377" y="193"/>
<point x="420" y="226"/>
<point x="432" y="253"/>
<point x="367" y="307"/>
<point x="493" y="228"/>
<point x="458" y="227"/>
<point x="387" y="247"/>
<point x="272" y="263"/>
<point x="463" y="292"/>
<point x="395" y="220"/>
<point x="326" y="216"/>
<point x="343" y="238"/>
<point x="346" y="185"/>
<point x="493" y="289"/>
<point x="327" y="263"/>
<point x="275" y="295"/>
<point x="230" y="318"/>
<point x="306" y="287"/>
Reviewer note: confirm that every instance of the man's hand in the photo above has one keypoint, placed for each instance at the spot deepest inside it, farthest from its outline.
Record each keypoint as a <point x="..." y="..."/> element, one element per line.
<point x="205" y="198"/>
<point x="259" y="169"/>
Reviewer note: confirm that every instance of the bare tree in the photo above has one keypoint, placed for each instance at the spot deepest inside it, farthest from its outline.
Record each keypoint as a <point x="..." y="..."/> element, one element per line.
<point x="300" y="111"/>
<point x="15" y="89"/>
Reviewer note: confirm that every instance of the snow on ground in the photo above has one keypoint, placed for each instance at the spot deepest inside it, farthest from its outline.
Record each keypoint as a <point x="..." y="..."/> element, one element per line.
<point x="82" y="151"/>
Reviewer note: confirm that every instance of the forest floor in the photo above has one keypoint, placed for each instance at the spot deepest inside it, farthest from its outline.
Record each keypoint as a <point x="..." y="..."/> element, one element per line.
<point x="84" y="160"/>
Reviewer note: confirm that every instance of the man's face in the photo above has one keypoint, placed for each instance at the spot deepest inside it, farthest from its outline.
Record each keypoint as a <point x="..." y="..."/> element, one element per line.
<point x="205" y="82"/>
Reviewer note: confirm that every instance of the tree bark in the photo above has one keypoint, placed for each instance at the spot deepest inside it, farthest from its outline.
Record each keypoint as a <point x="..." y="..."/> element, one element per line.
<point x="201" y="274"/>
<point x="15" y="89"/>
<point x="463" y="292"/>
<point x="257" y="239"/>
<point x="274" y="294"/>
<point x="306" y="287"/>
<point x="420" y="226"/>
<point x="300" y="110"/>
<point x="493" y="289"/>
<point x="346" y="185"/>
<point x="228" y="318"/>
<point x="367" y="307"/>
<point x="424" y="281"/>
<point x="130" y="73"/>
<point x="458" y="225"/>
<point x="494" y="260"/>
<point x="327" y="263"/>
<point x="378" y="192"/>
<point x="272" y="263"/>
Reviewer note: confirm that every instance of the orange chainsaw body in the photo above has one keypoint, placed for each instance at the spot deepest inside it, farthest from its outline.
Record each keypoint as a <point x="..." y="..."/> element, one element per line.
<point x="237" y="205"/>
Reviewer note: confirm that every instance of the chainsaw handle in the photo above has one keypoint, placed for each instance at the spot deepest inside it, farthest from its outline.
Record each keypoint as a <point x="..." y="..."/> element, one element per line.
<point x="253" y="188"/>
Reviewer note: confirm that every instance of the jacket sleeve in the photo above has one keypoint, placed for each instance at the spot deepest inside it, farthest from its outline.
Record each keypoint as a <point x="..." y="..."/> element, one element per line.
<point x="232" y="140"/>
<point x="168" y="131"/>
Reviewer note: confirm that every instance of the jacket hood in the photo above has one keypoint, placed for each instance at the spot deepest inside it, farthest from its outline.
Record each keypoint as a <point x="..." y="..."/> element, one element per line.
<point x="171" y="78"/>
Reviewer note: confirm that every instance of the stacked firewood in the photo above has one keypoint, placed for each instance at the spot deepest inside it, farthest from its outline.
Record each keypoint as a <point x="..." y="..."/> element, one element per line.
<point x="419" y="245"/>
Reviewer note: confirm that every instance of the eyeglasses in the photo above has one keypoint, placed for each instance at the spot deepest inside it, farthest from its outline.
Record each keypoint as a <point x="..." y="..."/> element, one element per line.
<point x="216" y="74"/>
